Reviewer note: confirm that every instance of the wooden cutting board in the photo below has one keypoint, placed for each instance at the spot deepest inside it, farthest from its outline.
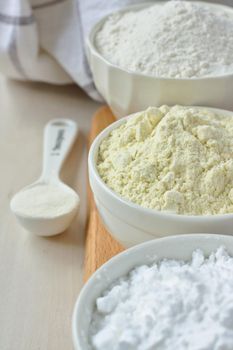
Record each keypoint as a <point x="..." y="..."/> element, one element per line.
<point x="99" y="246"/>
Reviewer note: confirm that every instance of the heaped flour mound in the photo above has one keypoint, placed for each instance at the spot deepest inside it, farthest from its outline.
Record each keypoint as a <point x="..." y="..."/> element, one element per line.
<point x="168" y="305"/>
<point x="179" y="39"/>
<point x="177" y="159"/>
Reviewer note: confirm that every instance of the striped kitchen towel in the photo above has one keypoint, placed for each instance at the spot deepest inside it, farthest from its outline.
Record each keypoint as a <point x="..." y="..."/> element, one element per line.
<point x="44" y="40"/>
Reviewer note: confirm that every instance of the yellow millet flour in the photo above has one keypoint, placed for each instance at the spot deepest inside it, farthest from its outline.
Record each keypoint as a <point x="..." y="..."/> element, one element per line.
<point x="177" y="159"/>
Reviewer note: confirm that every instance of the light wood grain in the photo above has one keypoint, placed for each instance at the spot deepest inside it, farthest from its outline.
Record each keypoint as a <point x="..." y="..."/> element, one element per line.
<point x="100" y="246"/>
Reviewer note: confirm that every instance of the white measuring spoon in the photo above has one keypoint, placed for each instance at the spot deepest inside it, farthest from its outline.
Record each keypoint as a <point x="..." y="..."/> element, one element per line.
<point x="42" y="214"/>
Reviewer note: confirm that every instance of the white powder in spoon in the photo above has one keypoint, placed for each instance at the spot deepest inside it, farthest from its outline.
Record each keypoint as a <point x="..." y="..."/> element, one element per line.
<point x="178" y="39"/>
<point x="168" y="305"/>
<point x="46" y="201"/>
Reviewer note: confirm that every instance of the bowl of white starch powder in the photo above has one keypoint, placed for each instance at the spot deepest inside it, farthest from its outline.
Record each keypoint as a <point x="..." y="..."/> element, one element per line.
<point x="170" y="293"/>
<point x="174" y="52"/>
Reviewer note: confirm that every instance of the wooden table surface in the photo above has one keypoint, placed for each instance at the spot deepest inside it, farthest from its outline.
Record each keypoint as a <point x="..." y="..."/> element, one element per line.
<point x="40" y="278"/>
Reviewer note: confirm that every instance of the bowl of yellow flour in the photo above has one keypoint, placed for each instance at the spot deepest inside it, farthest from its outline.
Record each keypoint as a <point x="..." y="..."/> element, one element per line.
<point x="164" y="171"/>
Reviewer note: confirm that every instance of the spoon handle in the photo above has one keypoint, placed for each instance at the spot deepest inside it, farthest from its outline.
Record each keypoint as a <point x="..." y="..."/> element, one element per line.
<point x="59" y="136"/>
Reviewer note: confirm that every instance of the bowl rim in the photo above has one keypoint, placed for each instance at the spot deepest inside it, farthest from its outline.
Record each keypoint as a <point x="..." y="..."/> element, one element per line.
<point x="127" y="203"/>
<point x="90" y="43"/>
<point x="77" y="339"/>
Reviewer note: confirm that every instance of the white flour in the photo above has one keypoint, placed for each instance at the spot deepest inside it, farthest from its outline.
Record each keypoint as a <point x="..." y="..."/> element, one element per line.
<point x="169" y="305"/>
<point x="44" y="201"/>
<point x="179" y="39"/>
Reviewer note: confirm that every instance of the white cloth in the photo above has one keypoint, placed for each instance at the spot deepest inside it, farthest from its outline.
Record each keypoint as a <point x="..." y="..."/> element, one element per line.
<point x="44" y="40"/>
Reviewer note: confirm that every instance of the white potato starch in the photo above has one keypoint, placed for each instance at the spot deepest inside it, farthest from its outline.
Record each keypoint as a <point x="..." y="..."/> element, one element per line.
<point x="168" y="305"/>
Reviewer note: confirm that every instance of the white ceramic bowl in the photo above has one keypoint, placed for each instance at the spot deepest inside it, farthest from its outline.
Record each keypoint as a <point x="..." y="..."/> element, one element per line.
<point x="130" y="223"/>
<point x="128" y="92"/>
<point x="176" y="247"/>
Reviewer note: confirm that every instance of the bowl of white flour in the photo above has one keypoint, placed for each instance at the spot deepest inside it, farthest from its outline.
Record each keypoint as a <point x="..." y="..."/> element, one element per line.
<point x="175" y="52"/>
<point x="174" y="292"/>
<point x="164" y="171"/>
